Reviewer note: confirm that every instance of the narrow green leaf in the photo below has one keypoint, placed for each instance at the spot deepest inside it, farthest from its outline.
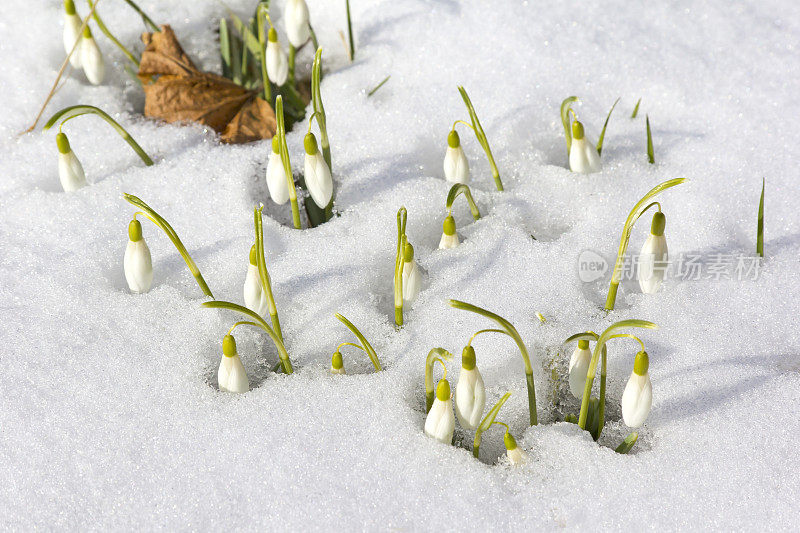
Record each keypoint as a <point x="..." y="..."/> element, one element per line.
<point x="487" y="422"/>
<point x="565" y="105"/>
<point x="375" y="89"/>
<point x="350" y="33"/>
<point x="461" y="188"/>
<point x="316" y="214"/>
<point x="481" y="136"/>
<point x="650" y="156"/>
<point x="435" y="354"/>
<point x="373" y="356"/>
<point x="147" y="20"/>
<point x="107" y="33"/>
<point x="636" y="109"/>
<point x="628" y="443"/>
<point x="402" y="218"/>
<point x="261" y="262"/>
<point x="760" y="233"/>
<point x="603" y="132"/>
<point x="287" y="165"/>
<point x="225" y="49"/>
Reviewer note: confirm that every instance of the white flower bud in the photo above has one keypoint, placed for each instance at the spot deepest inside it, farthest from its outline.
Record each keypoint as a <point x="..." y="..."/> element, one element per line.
<point x="72" y="33"/>
<point x="337" y="364"/>
<point x="277" y="63"/>
<point x="456" y="166"/>
<point x="276" y="176"/>
<point x="583" y="156"/>
<point x="92" y="59"/>
<point x="653" y="259"/>
<point x="296" y="19"/>
<point x="515" y="454"/>
<point x="254" y="296"/>
<point x="317" y="174"/>
<point x="638" y="395"/>
<point x="138" y="264"/>
<point x="578" y="368"/>
<point x="70" y="170"/>
<point x="470" y="391"/>
<point x="412" y="279"/>
<point x="231" y="375"/>
<point x="440" y="422"/>
<point x="449" y="236"/>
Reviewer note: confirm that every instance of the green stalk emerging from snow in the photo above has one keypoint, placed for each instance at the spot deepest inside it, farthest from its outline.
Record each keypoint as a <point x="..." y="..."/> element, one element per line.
<point x="365" y="345"/>
<point x="481" y="136"/>
<point x="760" y="231"/>
<point x="486" y="423"/>
<point x="264" y="274"/>
<point x="402" y="217"/>
<point x="460" y="188"/>
<point x="437" y="354"/>
<point x="287" y="165"/>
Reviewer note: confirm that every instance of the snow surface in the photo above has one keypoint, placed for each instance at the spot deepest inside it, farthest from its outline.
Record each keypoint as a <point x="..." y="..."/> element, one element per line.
<point x="110" y="415"/>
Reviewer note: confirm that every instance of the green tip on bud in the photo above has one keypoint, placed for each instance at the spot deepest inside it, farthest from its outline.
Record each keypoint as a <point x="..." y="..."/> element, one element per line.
<point x="443" y="390"/>
<point x="253" y="255"/>
<point x="135" y="230"/>
<point x="63" y="143"/>
<point x="509" y="441"/>
<point x="228" y="346"/>
<point x="69" y="7"/>
<point x="336" y="361"/>
<point x="658" y="224"/>
<point x="583" y="344"/>
<point x="577" y="130"/>
<point x="452" y="139"/>
<point x="449" y="225"/>
<point x="276" y="144"/>
<point x="641" y="364"/>
<point x="87" y="32"/>
<point x="408" y="253"/>
<point x="468" y="358"/>
<point x="272" y="35"/>
<point x="310" y="144"/>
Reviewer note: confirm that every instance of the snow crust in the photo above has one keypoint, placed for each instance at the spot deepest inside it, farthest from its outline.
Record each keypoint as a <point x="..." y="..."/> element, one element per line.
<point x="110" y="415"/>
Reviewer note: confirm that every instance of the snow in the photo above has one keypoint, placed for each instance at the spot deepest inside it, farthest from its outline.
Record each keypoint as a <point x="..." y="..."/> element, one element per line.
<point x="111" y="417"/>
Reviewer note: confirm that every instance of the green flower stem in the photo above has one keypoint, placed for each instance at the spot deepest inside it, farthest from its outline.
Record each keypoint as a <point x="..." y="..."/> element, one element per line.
<point x="598" y="349"/>
<point x="375" y="89"/>
<point x="460" y="188"/>
<point x="292" y="54"/>
<point x="262" y="14"/>
<point x="485" y="331"/>
<point x="628" y="443"/>
<point x="402" y="217"/>
<point x="287" y="165"/>
<point x="314" y="40"/>
<point x="479" y="133"/>
<point x="147" y="20"/>
<point x="603" y="132"/>
<point x="760" y="230"/>
<point x="350" y="32"/>
<point x="264" y="274"/>
<point x="511" y="331"/>
<point x="634" y="215"/>
<point x="565" y="109"/>
<point x="365" y="345"/>
<point x="316" y="214"/>
<point x="225" y="50"/>
<point x="77" y="110"/>
<point x="486" y="423"/>
<point x="437" y="354"/>
<point x="110" y="36"/>
<point x="159" y="221"/>
<point x="286" y="363"/>
<point x="601" y="414"/>
<point x="650" y="155"/>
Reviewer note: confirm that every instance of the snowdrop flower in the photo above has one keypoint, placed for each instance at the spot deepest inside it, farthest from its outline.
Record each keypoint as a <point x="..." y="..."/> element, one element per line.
<point x="515" y="454"/>
<point x="579" y="367"/>
<point x="91" y="58"/>
<point x="70" y="170"/>
<point x="449" y="237"/>
<point x="72" y="31"/>
<point x="138" y="264"/>
<point x="276" y="175"/>
<point x="296" y="17"/>
<point x="653" y="258"/>
<point x="440" y="422"/>
<point x="412" y="279"/>
<point x="317" y="174"/>
<point x="337" y="364"/>
<point x="470" y="391"/>
<point x="638" y="395"/>
<point x="277" y="64"/>
<point x="456" y="166"/>
<point x="231" y="375"/>
<point x="583" y="156"/>
<point x="254" y="297"/>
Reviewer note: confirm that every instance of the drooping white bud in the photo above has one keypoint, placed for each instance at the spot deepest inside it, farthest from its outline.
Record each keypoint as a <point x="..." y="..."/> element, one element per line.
<point x="456" y="166"/>
<point x="317" y="174"/>
<point x="296" y="18"/>
<point x="440" y="422"/>
<point x="138" y="264"/>
<point x="653" y="259"/>
<point x="92" y="58"/>
<point x="72" y="33"/>
<point x="337" y="364"/>
<point x="254" y="296"/>
<point x="449" y="236"/>
<point x="412" y="279"/>
<point x="638" y="395"/>
<point x="470" y="391"/>
<point x="583" y="156"/>
<point x="579" y="367"/>
<point x="277" y="63"/>
<point x="70" y="170"/>
<point x="276" y="175"/>
<point x="231" y="375"/>
<point x="515" y="454"/>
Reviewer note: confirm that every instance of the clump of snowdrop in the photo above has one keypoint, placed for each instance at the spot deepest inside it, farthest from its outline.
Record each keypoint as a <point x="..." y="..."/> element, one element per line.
<point x="578" y="366"/>
<point x="255" y="297"/>
<point x="231" y="375"/>
<point x="277" y="63"/>
<point x="297" y="22"/>
<point x="456" y="166"/>
<point x="92" y="58"/>
<point x="412" y="279"/>
<point x="449" y="236"/>
<point x="70" y="170"/>
<point x="317" y="174"/>
<point x="654" y="256"/>
<point x="72" y="33"/>
<point x="440" y="422"/>
<point x="138" y="264"/>
<point x="638" y="395"/>
<point x="276" y="174"/>
<point x="470" y="391"/>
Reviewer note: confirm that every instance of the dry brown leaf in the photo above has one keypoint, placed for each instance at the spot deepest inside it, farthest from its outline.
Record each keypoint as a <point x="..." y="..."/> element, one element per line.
<point x="175" y="90"/>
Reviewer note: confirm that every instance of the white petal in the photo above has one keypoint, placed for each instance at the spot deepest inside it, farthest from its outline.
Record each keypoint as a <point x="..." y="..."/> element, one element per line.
<point x="70" y="172"/>
<point x="338" y="371"/>
<point x="456" y="166"/>
<point x="470" y="398"/>
<point x="578" y="368"/>
<point x="138" y="266"/>
<point x="448" y="241"/>
<point x="517" y="456"/>
<point x="412" y="282"/>
<point x="296" y="19"/>
<point x="583" y="157"/>
<point x="254" y="297"/>
<point x="72" y="33"/>
<point x="653" y="263"/>
<point x="223" y="373"/>
<point x="277" y="64"/>
<point x="637" y="400"/>
<point x="318" y="179"/>
<point x="440" y="422"/>
<point x="92" y="61"/>
<point x="276" y="179"/>
<point x="237" y="377"/>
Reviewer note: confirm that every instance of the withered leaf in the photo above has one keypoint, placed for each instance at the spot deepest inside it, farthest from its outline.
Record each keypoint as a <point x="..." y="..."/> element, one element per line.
<point x="175" y="90"/>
